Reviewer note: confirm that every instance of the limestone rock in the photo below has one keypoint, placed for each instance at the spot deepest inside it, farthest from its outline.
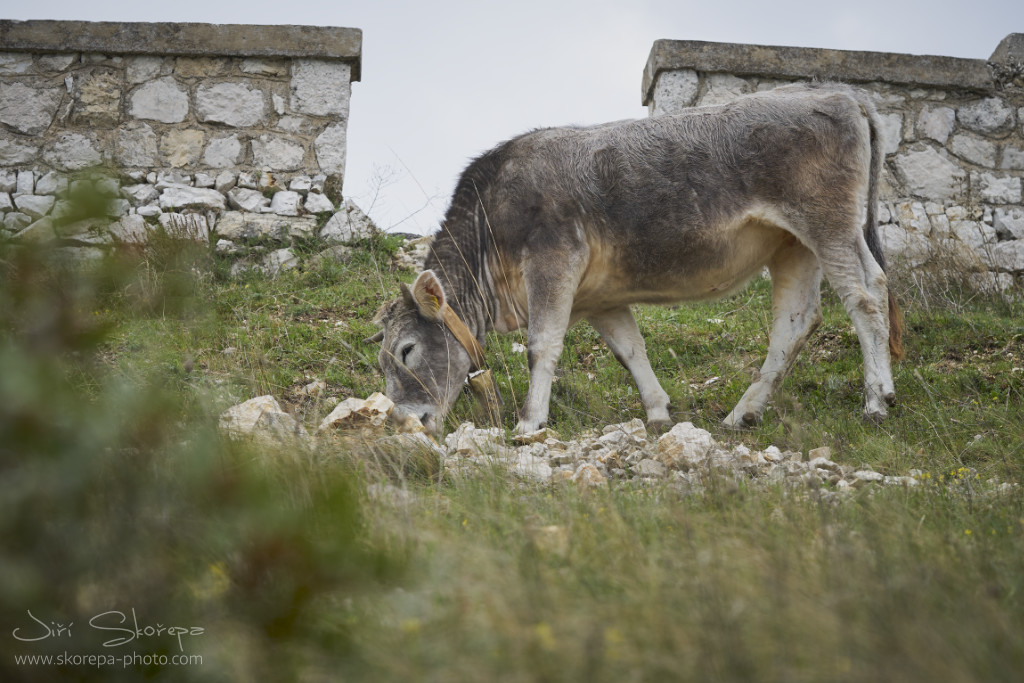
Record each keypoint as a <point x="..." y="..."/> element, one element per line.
<point x="224" y="181"/>
<point x="286" y="203"/>
<point x="1006" y="256"/>
<point x="15" y="221"/>
<point x="588" y="476"/>
<point x="38" y="232"/>
<point x="349" y="223"/>
<point x="181" y="196"/>
<point x="247" y="200"/>
<point x="15" y="63"/>
<point x="927" y="173"/>
<point x="52" y="183"/>
<point x="532" y="468"/>
<point x="186" y="226"/>
<point x="277" y="153"/>
<point x="233" y="104"/>
<point x="143" y="68"/>
<point x="330" y="148"/>
<point x="723" y="88"/>
<point x="72" y="152"/>
<point x="14" y="151"/>
<point x="467" y="439"/>
<point x="5" y="203"/>
<point x="651" y="468"/>
<point x="1009" y="223"/>
<point x="97" y="98"/>
<point x="28" y="110"/>
<point x="131" y="229"/>
<point x="260" y="418"/>
<point x="890" y="132"/>
<point x="235" y="225"/>
<point x="318" y="203"/>
<point x="223" y="152"/>
<point x="935" y="123"/>
<point x="35" y="206"/>
<point x="320" y="87"/>
<point x="674" y="90"/>
<point x="990" y="115"/>
<point x="140" y="194"/>
<point x="357" y="413"/>
<point x="974" y="148"/>
<point x="181" y="148"/>
<point x="160" y="100"/>
<point x="685" y="446"/>
<point x="279" y="261"/>
<point x="996" y="189"/>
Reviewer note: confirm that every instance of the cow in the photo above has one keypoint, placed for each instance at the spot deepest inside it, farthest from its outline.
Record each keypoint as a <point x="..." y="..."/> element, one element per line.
<point x="579" y="223"/>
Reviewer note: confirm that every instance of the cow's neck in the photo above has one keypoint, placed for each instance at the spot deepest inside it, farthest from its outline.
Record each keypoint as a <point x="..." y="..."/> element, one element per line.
<point x="459" y="268"/>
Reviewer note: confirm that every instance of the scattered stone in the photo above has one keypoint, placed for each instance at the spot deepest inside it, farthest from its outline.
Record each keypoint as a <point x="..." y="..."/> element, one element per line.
<point x="260" y="418"/>
<point x="279" y="261"/>
<point x="467" y="439"/>
<point x="314" y="389"/>
<point x="348" y="224"/>
<point x="685" y="446"/>
<point x="357" y="413"/>
<point x="539" y="436"/>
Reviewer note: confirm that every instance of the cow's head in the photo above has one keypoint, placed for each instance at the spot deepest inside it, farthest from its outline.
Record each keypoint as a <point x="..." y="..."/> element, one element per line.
<point x="424" y="364"/>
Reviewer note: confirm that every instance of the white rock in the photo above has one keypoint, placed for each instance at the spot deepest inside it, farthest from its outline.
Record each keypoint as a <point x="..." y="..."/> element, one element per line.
<point x="1009" y="223"/>
<point x="286" y="203"/>
<point x="277" y="153"/>
<point x="233" y="104"/>
<point x="144" y="68"/>
<point x="587" y="475"/>
<point x="973" y="148"/>
<point x="72" y="152"/>
<point x="28" y="110"/>
<point x="935" y="123"/>
<point x="913" y="216"/>
<point x="26" y="182"/>
<point x="467" y="439"/>
<point x="181" y="196"/>
<point x="36" y="233"/>
<point x="8" y="180"/>
<point x="996" y="189"/>
<point x="685" y="446"/>
<point x="264" y="67"/>
<point x="634" y="428"/>
<point x="118" y="207"/>
<point x="140" y="194"/>
<point x="205" y="180"/>
<point x="357" y="413"/>
<point x="15" y="63"/>
<point x="279" y="261"/>
<point x="35" y="206"/>
<point x="674" y="90"/>
<point x="160" y="100"/>
<point x="319" y="180"/>
<point x="867" y="477"/>
<point x="15" y="221"/>
<point x="260" y="418"/>
<point x="974" y="233"/>
<point x="990" y="283"/>
<point x="300" y="184"/>
<point x="532" y="468"/>
<point x="651" y="468"/>
<point x="927" y="173"/>
<point x="1005" y="256"/>
<point x="890" y="132"/>
<point x="247" y="200"/>
<point x="224" y="181"/>
<point x="13" y="151"/>
<point x="149" y="210"/>
<point x="330" y="148"/>
<point x="52" y="183"/>
<point x="186" y="226"/>
<point x="318" y="203"/>
<point x="236" y="225"/>
<point x="319" y="87"/>
<point x="225" y="247"/>
<point x="247" y="180"/>
<point x="348" y="224"/>
<point x="172" y="178"/>
<point x="57" y="62"/>
<point x="131" y="229"/>
<point x="5" y="203"/>
<point x="990" y="115"/>
<point x="723" y="88"/>
<point x="223" y="152"/>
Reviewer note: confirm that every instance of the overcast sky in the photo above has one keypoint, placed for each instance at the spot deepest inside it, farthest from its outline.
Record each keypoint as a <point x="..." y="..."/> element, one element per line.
<point x="443" y="81"/>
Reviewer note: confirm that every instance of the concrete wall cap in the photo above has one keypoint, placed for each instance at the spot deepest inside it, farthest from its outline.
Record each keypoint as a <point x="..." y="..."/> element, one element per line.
<point x="184" y="39"/>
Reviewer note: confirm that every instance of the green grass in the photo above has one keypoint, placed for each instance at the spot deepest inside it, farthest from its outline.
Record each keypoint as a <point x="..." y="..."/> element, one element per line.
<point x="118" y="492"/>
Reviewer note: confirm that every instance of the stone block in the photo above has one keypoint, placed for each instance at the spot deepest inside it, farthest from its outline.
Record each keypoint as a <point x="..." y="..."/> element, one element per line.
<point x="974" y="234"/>
<point x="1009" y="223"/>
<point x="199" y="67"/>
<point x="144" y="68"/>
<point x="935" y="123"/>
<point x="224" y="181"/>
<point x="16" y="220"/>
<point x="57" y="62"/>
<point x="140" y="194"/>
<point x="330" y="147"/>
<point x="318" y="203"/>
<point x="349" y="223"/>
<point x="28" y="110"/>
<point x="233" y="104"/>
<point x="39" y="232"/>
<point x="286" y="203"/>
<point x="925" y="172"/>
<point x="913" y="216"/>
<point x="246" y="199"/>
<point x="890" y="132"/>
<point x="181" y="196"/>
<point x="223" y="152"/>
<point x="674" y="90"/>
<point x="185" y="226"/>
<point x="204" y="180"/>
<point x="723" y="88"/>
<point x="236" y="225"/>
<point x="1007" y="257"/>
<point x="974" y="149"/>
<point x="8" y="180"/>
<point x="990" y="115"/>
<point x="320" y="87"/>
<point x="6" y="204"/>
<point x="277" y="153"/>
<point x="15" y="63"/>
<point x="131" y="229"/>
<point x="1013" y="158"/>
<point x="15" y="151"/>
<point x="34" y="206"/>
<point x="159" y="100"/>
<point x="26" y="182"/>
<point x="906" y="248"/>
<point x="299" y="125"/>
<point x="52" y="183"/>
<point x="300" y="184"/>
<point x="135" y="145"/>
<point x="264" y="67"/>
<point x="72" y="152"/>
<point x="97" y="98"/>
<point x="181" y="148"/>
<point x="995" y="189"/>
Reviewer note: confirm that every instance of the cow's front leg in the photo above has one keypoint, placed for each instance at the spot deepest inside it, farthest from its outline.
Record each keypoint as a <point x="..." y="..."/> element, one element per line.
<point x="619" y="330"/>
<point x="550" y="287"/>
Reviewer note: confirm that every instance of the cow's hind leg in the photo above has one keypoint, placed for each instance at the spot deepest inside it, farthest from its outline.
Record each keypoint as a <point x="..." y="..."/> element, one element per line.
<point x="796" y="308"/>
<point x="619" y="330"/>
<point x="861" y="284"/>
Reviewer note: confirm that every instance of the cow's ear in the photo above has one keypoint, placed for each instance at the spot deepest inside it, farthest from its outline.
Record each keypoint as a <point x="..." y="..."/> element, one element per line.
<point x="375" y="339"/>
<point x="428" y="295"/>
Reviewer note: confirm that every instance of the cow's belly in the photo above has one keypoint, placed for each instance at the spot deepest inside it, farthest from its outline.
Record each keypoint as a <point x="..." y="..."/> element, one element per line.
<point x="710" y="272"/>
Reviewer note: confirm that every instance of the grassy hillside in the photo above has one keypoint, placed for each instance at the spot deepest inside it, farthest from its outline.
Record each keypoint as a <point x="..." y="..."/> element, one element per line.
<point x="119" y="493"/>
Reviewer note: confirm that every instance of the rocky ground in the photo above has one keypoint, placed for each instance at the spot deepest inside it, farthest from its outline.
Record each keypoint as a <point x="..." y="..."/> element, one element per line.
<point x="685" y="458"/>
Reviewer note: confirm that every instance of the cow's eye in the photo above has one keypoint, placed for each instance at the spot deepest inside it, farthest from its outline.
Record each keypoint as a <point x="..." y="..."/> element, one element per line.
<point x="406" y="351"/>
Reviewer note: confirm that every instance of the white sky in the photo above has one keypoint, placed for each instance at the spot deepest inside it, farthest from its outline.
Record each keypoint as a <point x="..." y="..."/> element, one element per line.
<point x="443" y="81"/>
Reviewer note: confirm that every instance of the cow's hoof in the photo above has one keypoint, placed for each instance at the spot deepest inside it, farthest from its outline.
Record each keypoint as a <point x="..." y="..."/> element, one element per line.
<point x="876" y="415"/>
<point x="745" y="421"/>
<point x="890" y="399"/>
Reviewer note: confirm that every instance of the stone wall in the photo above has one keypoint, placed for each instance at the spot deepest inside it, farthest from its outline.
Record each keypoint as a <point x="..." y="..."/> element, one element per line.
<point x="197" y="128"/>
<point x="952" y="134"/>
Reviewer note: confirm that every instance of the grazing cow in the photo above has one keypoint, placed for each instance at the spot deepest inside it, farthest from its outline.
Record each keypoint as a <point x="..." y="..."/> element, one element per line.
<point x="564" y="224"/>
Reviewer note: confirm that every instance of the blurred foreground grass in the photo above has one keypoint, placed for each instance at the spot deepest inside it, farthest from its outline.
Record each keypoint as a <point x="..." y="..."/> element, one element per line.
<point x="118" y="494"/>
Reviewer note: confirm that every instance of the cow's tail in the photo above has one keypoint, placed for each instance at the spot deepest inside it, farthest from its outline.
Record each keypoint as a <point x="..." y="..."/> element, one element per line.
<point x="871" y="226"/>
